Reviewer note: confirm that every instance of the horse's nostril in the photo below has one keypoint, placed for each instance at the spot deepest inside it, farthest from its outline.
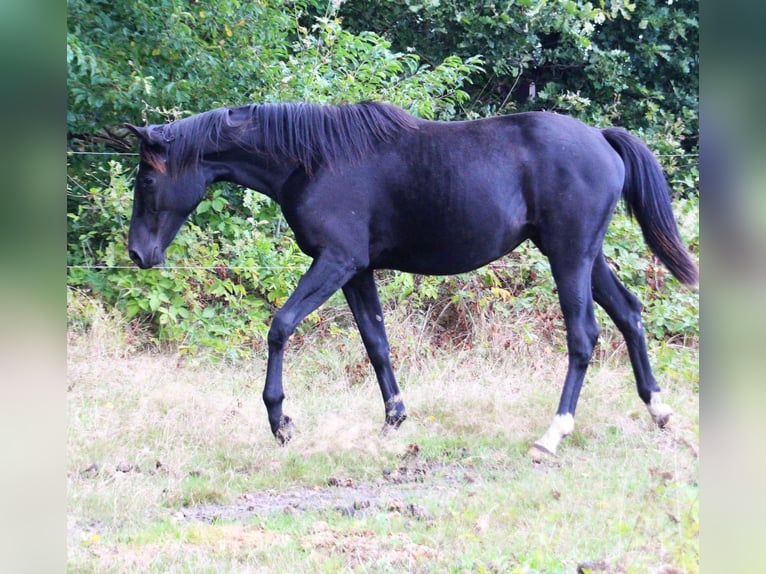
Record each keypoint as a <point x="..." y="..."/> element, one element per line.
<point x="135" y="257"/>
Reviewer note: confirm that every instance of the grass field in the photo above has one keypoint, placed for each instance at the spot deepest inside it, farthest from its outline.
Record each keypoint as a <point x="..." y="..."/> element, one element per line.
<point x="172" y="467"/>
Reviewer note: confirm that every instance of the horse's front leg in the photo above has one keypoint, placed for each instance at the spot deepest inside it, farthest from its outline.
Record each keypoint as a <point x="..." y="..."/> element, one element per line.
<point x="362" y="297"/>
<point x="326" y="275"/>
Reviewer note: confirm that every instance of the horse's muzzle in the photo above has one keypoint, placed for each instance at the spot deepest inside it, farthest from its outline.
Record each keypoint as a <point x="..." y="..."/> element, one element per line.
<point x="145" y="261"/>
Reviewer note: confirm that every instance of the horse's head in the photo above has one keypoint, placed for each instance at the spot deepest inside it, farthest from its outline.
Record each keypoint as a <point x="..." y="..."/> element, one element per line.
<point x="163" y="197"/>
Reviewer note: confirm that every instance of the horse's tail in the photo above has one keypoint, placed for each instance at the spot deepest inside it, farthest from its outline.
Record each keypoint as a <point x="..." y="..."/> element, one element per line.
<point x="647" y="198"/>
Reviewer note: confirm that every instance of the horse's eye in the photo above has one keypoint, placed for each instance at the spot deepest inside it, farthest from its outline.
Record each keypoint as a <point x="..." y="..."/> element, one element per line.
<point x="148" y="180"/>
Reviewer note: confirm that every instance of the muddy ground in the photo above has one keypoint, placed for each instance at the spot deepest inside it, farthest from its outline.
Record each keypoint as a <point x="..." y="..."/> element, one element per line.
<point x="343" y="495"/>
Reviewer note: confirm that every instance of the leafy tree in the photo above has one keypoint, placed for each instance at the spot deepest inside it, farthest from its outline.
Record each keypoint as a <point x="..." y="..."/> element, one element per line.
<point x="162" y="60"/>
<point x="635" y="64"/>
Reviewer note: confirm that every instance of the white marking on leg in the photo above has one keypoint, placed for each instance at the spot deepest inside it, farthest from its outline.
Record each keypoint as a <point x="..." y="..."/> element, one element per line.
<point x="562" y="426"/>
<point x="659" y="410"/>
<point x="392" y="403"/>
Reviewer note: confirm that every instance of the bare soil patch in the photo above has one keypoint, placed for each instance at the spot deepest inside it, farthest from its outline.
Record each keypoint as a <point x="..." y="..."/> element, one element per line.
<point x="394" y="492"/>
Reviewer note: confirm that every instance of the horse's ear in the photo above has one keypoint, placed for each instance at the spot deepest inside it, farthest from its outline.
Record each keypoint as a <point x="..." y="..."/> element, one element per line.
<point x="144" y="134"/>
<point x="140" y="133"/>
<point x="149" y="153"/>
<point x="238" y="116"/>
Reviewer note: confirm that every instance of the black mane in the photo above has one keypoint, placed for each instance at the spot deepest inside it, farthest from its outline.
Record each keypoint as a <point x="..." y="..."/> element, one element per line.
<point x="307" y="134"/>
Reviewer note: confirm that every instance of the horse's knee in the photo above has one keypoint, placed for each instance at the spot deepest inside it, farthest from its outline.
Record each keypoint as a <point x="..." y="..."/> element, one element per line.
<point x="592" y="332"/>
<point x="279" y="332"/>
<point x="581" y="344"/>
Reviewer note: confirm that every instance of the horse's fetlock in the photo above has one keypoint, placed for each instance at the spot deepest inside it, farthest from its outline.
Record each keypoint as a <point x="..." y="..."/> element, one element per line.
<point x="273" y="399"/>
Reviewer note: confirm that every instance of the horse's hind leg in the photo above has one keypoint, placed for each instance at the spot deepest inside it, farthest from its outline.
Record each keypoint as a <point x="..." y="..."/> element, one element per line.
<point x="362" y="297"/>
<point x="573" y="279"/>
<point x="625" y="310"/>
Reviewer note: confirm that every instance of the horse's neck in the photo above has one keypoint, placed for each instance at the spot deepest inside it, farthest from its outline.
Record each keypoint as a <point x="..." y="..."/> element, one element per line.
<point x="248" y="169"/>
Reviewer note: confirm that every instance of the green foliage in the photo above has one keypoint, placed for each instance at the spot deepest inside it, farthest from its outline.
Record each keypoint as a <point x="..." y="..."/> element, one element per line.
<point x="331" y="64"/>
<point x="628" y="63"/>
<point x="670" y="309"/>
<point x="163" y="60"/>
<point x="128" y="60"/>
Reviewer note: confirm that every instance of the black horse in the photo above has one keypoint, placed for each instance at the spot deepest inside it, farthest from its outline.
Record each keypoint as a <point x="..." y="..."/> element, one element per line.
<point x="368" y="186"/>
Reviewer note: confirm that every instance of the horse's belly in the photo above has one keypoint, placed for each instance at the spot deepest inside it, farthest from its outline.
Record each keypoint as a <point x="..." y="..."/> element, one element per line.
<point x="449" y="250"/>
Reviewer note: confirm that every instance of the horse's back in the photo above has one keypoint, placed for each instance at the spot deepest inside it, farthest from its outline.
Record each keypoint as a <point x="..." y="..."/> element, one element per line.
<point x="482" y="187"/>
<point x="449" y="197"/>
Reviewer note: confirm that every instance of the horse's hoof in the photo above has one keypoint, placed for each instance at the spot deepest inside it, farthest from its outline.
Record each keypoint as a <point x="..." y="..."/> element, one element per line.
<point x="285" y="431"/>
<point x="392" y="424"/>
<point x="663" y="417"/>
<point x="665" y="421"/>
<point x="395" y="413"/>
<point x="538" y="453"/>
<point x="662" y="414"/>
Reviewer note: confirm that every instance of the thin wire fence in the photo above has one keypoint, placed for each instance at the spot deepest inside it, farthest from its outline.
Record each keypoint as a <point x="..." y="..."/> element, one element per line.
<point x="223" y="267"/>
<point x="70" y="152"/>
<point x="216" y="268"/>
